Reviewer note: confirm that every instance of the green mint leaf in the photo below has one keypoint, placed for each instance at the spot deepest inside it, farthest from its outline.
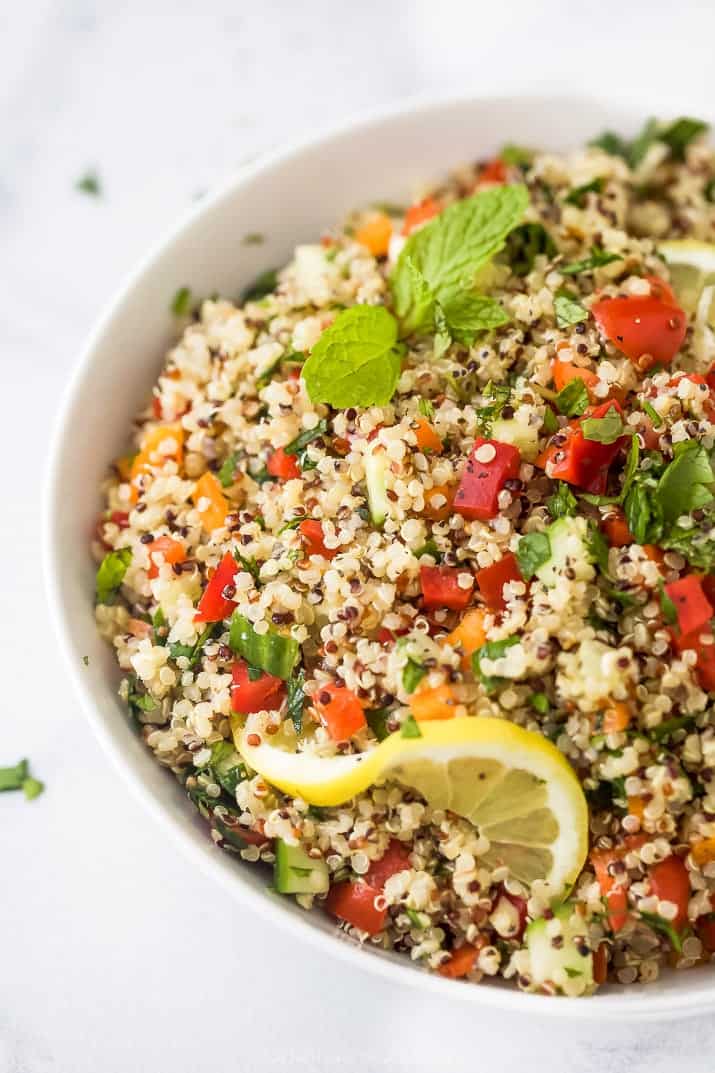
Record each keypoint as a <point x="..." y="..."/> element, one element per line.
<point x="562" y="503"/>
<point x="680" y="134"/>
<point x="533" y="550"/>
<point x="491" y="650"/>
<point x="12" y="778"/>
<point x="412" y="675"/>
<point x="261" y="286"/>
<point x="442" y="258"/>
<point x="568" y="309"/>
<point x="525" y="244"/>
<point x="89" y="184"/>
<point x="597" y="259"/>
<point x="539" y="702"/>
<point x="410" y="728"/>
<point x="301" y="441"/>
<point x="685" y="484"/>
<point x="572" y="400"/>
<point x="653" y="414"/>
<point x="296" y="699"/>
<point x="468" y="313"/>
<point x="111" y="573"/>
<point x="606" y="429"/>
<point x="577" y="196"/>
<point x="356" y="361"/>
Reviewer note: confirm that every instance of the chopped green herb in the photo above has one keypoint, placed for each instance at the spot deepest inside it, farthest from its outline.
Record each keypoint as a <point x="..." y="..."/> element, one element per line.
<point x="415" y="918"/>
<point x="486" y="415"/>
<point x="429" y="548"/>
<point x="426" y="408"/>
<point x="686" y="483"/>
<point x="263" y="285"/>
<point x="89" y="184"/>
<point x="525" y="244"/>
<point x="410" y="728"/>
<point x="253" y="238"/>
<point x="227" y="472"/>
<point x="85" y="660"/>
<point x="670" y="614"/>
<point x="356" y="361"/>
<point x="539" y="702"/>
<point x="377" y="721"/>
<point x="562" y="503"/>
<point x="577" y="196"/>
<point x="492" y="650"/>
<point x="296" y="699"/>
<point x="666" y="928"/>
<point x="597" y="259"/>
<point x="533" y="550"/>
<point x="412" y="675"/>
<point x="248" y="563"/>
<point x="12" y="778"/>
<point x="32" y="788"/>
<point x="597" y="548"/>
<point x="680" y="134"/>
<point x="181" y="302"/>
<point x="671" y="726"/>
<point x="516" y="156"/>
<point x="298" y="445"/>
<point x="653" y="414"/>
<point x="606" y="429"/>
<point x="709" y="190"/>
<point x="193" y="652"/>
<point x="568" y="309"/>
<point x="572" y="400"/>
<point x="551" y="423"/>
<point x="293" y="523"/>
<point x="142" y="702"/>
<point x="110" y="574"/>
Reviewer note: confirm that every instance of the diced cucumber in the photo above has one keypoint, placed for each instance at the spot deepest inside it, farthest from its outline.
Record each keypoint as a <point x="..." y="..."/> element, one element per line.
<point x="519" y="433"/>
<point x="555" y="958"/>
<point x="376" y="481"/>
<point x="273" y="652"/>
<point x="297" y="873"/>
<point x="569" y="550"/>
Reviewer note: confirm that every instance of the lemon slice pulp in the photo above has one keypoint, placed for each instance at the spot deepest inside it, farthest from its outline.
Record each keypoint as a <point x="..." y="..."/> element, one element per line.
<point x="511" y="783"/>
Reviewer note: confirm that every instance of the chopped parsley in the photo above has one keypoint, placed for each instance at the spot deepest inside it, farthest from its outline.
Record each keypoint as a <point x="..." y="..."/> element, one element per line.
<point x="110" y="574"/>
<point x="572" y="400"/>
<point x="562" y="503"/>
<point x="89" y="184"/>
<point x="533" y="550"/>
<point x="606" y="429"/>
<point x="568" y="309"/>
<point x="296" y="699"/>
<point x="525" y="244"/>
<point x="598" y="258"/>
<point x="577" y="196"/>
<point x="410" y="728"/>
<point x="181" y="302"/>
<point x="261" y="286"/>
<point x="492" y="650"/>
<point x="18" y="777"/>
<point x="412" y="675"/>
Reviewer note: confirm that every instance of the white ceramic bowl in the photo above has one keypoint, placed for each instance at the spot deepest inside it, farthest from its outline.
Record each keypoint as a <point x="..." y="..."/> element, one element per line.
<point x="289" y="197"/>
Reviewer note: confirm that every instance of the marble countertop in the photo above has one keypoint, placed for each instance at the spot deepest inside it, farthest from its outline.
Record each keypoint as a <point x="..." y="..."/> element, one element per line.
<point x="114" y="956"/>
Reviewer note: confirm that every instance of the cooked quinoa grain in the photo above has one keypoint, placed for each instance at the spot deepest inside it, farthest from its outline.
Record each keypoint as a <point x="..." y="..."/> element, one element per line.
<point x="502" y="506"/>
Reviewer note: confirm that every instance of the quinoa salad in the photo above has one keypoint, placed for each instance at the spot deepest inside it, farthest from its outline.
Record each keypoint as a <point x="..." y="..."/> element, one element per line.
<point x="409" y="567"/>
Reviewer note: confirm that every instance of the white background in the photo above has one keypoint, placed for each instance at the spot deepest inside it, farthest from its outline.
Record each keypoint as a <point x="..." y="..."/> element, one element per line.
<point x="114" y="957"/>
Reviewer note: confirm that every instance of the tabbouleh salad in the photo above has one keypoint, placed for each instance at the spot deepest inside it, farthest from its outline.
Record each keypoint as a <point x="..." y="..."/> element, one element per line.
<point x="410" y="572"/>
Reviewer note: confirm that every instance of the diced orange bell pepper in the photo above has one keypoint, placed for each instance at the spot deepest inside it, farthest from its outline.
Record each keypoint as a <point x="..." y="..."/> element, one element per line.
<point x="420" y="213"/>
<point x="703" y="852"/>
<point x="564" y="372"/>
<point x="172" y="551"/>
<point x="375" y="234"/>
<point x="123" y="467"/>
<point x="616" y="531"/>
<point x="616" y="717"/>
<point x="210" y="501"/>
<point x="461" y="962"/>
<point x="427" y="438"/>
<point x="160" y="444"/>
<point x="438" y="702"/>
<point x="340" y="710"/>
<point x="434" y="508"/>
<point x="636" y="807"/>
<point x="469" y="635"/>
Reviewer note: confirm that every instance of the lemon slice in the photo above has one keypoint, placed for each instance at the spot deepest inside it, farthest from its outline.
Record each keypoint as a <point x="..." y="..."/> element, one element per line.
<point x="692" y="268"/>
<point x="511" y="783"/>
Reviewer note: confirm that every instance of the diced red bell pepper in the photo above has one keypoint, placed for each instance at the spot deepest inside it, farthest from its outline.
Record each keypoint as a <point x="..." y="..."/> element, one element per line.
<point x="340" y="710"/>
<point x="312" y="532"/>
<point x="441" y="588"/>
<point x="282" y="466"/>
<point x="264" y="693"/>
<point x="420" y="213"/>
<point x="355" y="903"/>
<point x="702" y="642"/>
<point x="493" y="172"/>
<point x="614" y="893"/>
<point x="648" y="329"/>
<point x="669" y="881"/>
<point x="492" y="579"/>
<point x="213" y="605"/>
<point x="396" y="858"/>
<point x="120" y="518"/>
<point x="616" y="531"/>
<point x="572" y="458"/>
<point x="481" y="482"/>
<point x="693" y="607"/>
<point x="171" y="550"/>
<point x="708" y="584"/>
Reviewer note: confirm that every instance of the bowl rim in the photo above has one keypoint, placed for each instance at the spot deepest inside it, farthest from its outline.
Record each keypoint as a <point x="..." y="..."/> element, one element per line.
<point x="609" y="1006"/>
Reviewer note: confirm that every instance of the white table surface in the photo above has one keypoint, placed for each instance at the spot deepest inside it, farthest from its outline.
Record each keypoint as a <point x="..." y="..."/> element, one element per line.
<point x="114" y="957"/>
